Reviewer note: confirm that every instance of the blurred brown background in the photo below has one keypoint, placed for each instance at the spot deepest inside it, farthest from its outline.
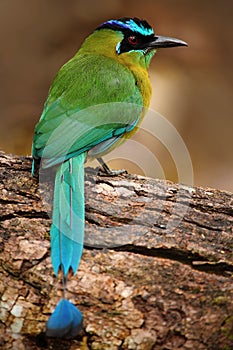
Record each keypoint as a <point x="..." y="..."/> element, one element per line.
<point x="192" y="87"/>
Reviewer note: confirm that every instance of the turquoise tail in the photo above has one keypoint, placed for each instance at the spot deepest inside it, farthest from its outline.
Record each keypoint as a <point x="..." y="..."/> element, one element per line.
<point x="67" y="230"/>
<point x="67" y="234"/>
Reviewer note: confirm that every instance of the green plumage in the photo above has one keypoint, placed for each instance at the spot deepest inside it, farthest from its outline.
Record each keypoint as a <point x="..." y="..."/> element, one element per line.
<point x="77" y="100"/>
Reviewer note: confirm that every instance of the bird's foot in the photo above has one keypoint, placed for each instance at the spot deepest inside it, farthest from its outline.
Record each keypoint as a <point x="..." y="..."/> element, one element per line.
<point x="106" y="171"/>
<point x="102" y="172"/>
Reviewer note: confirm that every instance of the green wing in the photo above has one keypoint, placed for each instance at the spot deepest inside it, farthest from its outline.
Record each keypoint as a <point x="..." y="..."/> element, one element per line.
<point x="93" y="101"/>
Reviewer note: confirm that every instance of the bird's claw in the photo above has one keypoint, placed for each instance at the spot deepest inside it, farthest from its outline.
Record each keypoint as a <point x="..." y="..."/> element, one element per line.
<point x="106" y="171"/>
<point x="103" y="172"/>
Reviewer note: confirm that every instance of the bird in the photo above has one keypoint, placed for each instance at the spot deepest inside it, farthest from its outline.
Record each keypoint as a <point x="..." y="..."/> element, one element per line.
<point x="97" y="101"/>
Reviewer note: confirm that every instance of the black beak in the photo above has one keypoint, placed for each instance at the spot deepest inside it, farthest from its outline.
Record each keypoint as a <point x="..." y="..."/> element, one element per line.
<point x="165" y="41"/>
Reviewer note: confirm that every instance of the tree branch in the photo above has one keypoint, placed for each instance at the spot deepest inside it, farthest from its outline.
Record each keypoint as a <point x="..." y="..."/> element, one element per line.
<point x="165" y="281"/>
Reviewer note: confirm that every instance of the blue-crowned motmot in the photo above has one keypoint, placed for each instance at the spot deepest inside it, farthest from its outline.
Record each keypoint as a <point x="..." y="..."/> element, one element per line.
<point x="96" y="101"/>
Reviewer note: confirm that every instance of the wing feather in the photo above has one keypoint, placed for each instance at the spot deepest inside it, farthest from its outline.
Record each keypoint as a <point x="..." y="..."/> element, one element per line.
<point x="86" y="107"/>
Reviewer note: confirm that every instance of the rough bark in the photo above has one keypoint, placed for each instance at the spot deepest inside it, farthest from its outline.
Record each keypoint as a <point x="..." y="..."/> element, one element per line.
<point x="156" y="272"/>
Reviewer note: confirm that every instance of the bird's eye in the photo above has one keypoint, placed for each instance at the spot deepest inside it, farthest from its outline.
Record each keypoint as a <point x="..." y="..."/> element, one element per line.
<point x="133" y="40"/>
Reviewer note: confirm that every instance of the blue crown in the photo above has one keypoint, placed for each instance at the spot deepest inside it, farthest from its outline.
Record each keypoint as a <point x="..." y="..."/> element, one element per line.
<point x="134" y="24"/>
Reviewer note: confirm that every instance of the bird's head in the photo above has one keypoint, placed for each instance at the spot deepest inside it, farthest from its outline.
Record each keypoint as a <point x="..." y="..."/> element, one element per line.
<point x="129" y="39"/>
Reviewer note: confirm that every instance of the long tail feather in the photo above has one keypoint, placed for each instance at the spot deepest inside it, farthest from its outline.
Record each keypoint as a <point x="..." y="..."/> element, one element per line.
<point x="67" y="233"/>
<point x="67" y="230"/>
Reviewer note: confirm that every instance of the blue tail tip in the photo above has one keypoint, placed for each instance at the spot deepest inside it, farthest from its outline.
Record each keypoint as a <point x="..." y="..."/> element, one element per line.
<point x="65" y="322"/>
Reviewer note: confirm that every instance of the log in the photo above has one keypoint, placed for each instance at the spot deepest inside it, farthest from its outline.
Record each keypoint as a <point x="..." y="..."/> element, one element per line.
<point x="156" y="271"/>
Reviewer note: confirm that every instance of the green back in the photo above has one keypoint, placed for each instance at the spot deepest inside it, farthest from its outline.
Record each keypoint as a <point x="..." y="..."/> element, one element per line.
<point x="93" y="98"/>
